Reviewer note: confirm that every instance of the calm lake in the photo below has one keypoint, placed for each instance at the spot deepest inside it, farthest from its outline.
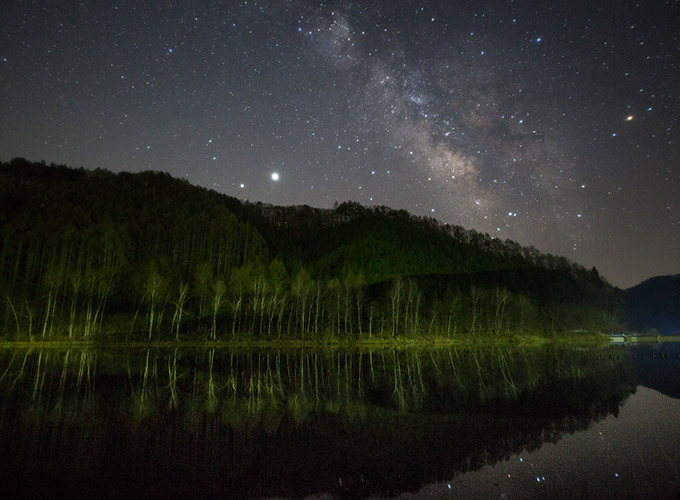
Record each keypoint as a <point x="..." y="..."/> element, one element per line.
<point x="549" y="422"/>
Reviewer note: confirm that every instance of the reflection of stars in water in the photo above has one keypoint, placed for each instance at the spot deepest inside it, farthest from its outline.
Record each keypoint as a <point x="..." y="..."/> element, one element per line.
<point x="631" y="454"/>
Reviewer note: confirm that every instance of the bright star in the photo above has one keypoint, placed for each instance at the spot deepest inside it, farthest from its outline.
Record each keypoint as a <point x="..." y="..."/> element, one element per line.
<point x="275" y="176"/>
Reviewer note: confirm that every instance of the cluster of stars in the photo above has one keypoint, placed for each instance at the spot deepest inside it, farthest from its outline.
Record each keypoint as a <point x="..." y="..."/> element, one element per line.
<point x="453" y="110"/>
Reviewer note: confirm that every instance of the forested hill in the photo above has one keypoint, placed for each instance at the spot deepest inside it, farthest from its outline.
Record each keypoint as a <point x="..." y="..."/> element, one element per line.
<point x="381" y="243"/>
<point x="78" y="243"/>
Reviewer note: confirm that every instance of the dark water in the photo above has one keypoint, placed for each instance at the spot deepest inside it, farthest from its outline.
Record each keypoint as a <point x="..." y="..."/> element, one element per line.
<point x="485" y="423"/>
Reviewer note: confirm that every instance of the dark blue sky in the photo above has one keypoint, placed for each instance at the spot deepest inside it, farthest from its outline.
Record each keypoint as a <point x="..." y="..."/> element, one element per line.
<point x="555" y="125"/>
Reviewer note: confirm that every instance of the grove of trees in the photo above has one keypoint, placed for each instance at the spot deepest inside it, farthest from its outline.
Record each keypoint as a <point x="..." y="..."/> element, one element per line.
<point x="92" y="254"/>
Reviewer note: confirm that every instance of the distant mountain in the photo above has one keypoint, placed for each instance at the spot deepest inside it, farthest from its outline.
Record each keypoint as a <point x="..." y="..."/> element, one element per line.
<point x="655" y="304"/>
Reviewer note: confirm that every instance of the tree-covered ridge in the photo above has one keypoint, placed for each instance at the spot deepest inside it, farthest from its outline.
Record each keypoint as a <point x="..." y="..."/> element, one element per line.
<point x="78" y="240"/>
<point x="87" y="253"/>
<point x="415" y="245"/>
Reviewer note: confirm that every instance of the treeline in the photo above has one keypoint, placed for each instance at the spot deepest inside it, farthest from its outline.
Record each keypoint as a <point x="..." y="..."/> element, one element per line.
<point x="95" y="254"/>
<point x="78" y="243"/>
<point x="351" y="235"/>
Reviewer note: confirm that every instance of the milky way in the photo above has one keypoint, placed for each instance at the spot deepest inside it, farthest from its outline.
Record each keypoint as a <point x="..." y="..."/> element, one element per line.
<point x="552" y="125"/>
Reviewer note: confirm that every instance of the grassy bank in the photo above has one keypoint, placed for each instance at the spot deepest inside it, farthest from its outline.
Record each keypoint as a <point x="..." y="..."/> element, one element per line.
<point x="374" y="343"/>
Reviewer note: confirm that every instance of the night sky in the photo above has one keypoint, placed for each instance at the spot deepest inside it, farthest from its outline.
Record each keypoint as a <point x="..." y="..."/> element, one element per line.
<point x="552" y="124"/>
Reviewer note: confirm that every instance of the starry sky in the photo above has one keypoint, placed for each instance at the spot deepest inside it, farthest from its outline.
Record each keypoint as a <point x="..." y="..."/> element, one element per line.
<point x="554" y="124"/>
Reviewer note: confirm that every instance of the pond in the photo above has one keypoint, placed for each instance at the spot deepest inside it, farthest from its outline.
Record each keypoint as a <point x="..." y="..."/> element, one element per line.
<point x="458" y="422"/>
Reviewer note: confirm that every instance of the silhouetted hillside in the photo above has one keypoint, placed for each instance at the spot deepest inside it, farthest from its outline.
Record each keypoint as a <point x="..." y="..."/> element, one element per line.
<point x="655" y="304"/>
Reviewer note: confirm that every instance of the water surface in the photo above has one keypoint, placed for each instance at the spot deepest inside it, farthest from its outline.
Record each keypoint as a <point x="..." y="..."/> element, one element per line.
<point x="472" y="422"/>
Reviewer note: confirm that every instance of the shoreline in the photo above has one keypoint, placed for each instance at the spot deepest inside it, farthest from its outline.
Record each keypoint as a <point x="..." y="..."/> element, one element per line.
<point x="333" y="344"/>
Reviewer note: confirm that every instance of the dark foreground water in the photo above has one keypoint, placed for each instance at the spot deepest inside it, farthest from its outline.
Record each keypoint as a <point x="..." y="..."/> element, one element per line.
<point x="486" y="423"/>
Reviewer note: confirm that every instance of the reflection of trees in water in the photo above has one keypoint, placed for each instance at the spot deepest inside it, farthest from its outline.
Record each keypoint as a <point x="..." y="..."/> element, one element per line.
<point x="250" y="418"/>
<point x="48" y="402"/>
